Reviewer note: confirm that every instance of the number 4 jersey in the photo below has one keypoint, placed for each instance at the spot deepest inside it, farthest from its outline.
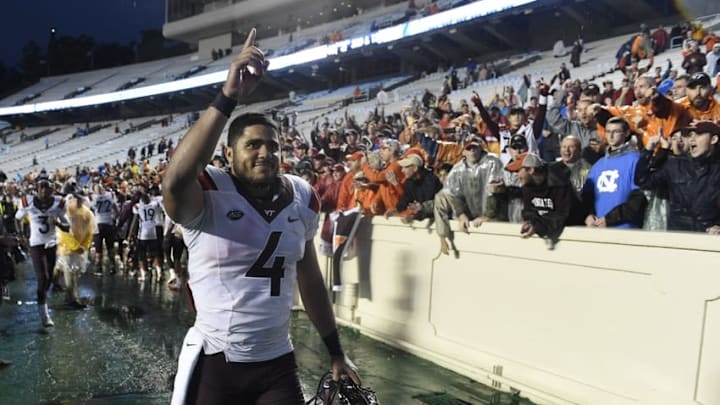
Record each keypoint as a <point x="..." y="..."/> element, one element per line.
<point x="42" y="222"/>
<point x="242" y="257"/>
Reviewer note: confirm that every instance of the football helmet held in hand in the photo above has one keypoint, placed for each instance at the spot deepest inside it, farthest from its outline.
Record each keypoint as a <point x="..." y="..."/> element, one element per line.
<point x="345" y="390"/>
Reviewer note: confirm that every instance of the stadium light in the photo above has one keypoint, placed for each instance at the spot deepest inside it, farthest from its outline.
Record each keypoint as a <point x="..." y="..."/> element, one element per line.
<point x="390" y="34"/>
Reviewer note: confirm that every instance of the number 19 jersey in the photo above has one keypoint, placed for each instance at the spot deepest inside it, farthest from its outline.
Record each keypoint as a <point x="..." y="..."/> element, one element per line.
<point x="242" y="257"/>
<point x="146" y="219"/>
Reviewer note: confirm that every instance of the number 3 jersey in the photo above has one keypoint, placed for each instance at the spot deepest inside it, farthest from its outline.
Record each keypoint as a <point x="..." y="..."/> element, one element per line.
<point x="42" y="222"/>
<point x="242" y="256"/>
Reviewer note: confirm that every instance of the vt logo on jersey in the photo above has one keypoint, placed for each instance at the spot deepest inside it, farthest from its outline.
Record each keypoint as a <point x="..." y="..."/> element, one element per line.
<point x="234" y="215"/>
<point x="606" y="182"/>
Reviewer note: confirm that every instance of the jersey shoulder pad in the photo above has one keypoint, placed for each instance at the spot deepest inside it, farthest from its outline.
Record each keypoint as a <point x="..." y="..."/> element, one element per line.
<point x="305" y="193"/>
<point x="207" y="182"/>
<point x="314" y="203"/>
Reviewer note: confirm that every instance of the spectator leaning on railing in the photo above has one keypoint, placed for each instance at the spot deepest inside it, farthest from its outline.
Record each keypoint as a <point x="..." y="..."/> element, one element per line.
<point x="390" y="178"/>
<point x="420" y="187"/>
<point x="505" y="199"/>
<point x="610" y="194"/>
<point x="346" y="200"/>
<point x="465" y="192"/>
<point x="549" y="200"/>
<point x="693" y="182"/>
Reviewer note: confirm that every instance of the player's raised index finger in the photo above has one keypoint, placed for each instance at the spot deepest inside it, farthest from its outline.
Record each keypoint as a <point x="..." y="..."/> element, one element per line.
<point x="250" y="40"/>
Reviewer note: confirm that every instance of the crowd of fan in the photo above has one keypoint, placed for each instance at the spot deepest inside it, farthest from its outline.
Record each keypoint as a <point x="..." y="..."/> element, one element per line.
<point x="545" y="155"/>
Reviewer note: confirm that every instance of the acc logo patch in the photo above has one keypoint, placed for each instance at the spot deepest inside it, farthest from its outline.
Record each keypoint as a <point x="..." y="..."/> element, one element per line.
<point x="234" y="215"/>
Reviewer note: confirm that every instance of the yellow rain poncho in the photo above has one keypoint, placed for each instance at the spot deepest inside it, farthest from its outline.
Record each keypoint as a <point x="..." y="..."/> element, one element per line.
<point x="82" y="225"/>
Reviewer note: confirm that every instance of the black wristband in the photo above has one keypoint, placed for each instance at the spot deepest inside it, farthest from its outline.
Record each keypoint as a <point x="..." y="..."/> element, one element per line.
<point x="332" y="342"/>
<point x="224" y="104"/>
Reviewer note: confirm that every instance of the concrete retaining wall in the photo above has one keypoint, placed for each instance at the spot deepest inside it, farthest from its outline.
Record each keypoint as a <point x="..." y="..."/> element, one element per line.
<point x="607" y="317"/>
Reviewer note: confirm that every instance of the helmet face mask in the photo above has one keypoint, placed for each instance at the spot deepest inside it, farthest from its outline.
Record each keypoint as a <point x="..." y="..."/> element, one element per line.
<point x="345" y="390"/>
<point x="326" y="391"/>
<point x="352" y="394"/>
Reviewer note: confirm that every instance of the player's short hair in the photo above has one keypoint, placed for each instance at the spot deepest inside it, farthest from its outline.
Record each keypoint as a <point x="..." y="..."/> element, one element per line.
<point x="239" y="123"/>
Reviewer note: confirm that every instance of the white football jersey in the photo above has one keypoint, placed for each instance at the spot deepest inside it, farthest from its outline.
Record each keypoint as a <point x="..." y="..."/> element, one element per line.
<point x="146" y="219"/>
<point x="160" y="216"/>
<point x="104" y="206"/>
<point x="242" y="257"/>
<point x="42" y="222"/>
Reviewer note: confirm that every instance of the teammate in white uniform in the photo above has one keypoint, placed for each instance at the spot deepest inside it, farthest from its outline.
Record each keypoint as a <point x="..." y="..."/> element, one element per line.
<point x="249" y="234"/>
<point x="148" y="245"/>
<point x="106" y="210"/>
<point x="159" y="223"/>
<point x="45" y="212"/>
<point x="175" y="246"/>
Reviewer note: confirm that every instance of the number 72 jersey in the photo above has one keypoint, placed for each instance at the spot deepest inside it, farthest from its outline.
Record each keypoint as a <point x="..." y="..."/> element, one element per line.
<point x="42" y="222"/>
<point x="103" y="206"/>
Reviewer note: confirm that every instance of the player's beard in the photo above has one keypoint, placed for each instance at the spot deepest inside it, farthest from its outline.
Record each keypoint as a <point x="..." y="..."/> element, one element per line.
<point x="249" y="174"/>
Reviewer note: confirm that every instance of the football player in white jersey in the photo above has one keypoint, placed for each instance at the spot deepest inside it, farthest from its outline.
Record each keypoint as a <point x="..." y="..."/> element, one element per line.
<point x="143" y="229"/>
<point x="105" y="208"/>
<point x="249" y="233"/>
<point x="156" y="195"/>
<point x="173" y="250"/>
<point x="45" y="211"/>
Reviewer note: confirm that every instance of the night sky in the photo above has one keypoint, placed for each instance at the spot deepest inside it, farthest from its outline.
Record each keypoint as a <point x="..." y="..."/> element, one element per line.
<point x="105" y="20"/>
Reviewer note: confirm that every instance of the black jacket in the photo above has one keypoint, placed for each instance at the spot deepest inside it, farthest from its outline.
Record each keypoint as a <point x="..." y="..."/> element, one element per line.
<point x="422" y="190"/>
<point x="551" y="206"/>
<point x="693" y="186"/>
